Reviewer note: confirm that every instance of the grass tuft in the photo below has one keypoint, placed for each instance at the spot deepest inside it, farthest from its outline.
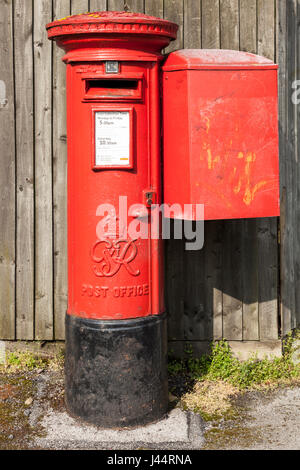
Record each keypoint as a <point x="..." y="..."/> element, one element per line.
<point x="28" y="360"/>
<point x="222" y="365"/>
<point x="215" y="379"/>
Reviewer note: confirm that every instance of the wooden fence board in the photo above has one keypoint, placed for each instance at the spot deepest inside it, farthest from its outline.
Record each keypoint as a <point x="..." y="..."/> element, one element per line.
<point x="266" y="28"/>
<point x="196" y="324"/>
<point x="7" y="175"/>
<point x="229" y="24"/>
<point x="154" y="8"/>
<point x="287" y="235"/>
<point x="175" y="288"/>
<point x="192" y="24"/>
<point x="98" y="5"/>
<point x="297" y="171"/>
<point x="249" y="260"/>
<point x="43" y="172"/>
<point x="232" y="281"/>
<point x="25" y="170"/>
<point x="210" y="24"/>
<point x="115" y="5"/>
<point x="248" y="30"/>
<point x="292" y="149"/>
<point x="60" y="264"/>
<point x="213" y="255"/>
<point x="79" y="6"/>
<point x="281" y="59"/>
<point x="290" y="237"/>
<point x="173" y="11"/>
<point x="135" y="5"/>
<point x="268" y="279"/>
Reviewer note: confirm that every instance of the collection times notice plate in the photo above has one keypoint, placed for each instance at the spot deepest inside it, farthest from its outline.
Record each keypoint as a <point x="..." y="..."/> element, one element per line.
<point x="113" y="139"/>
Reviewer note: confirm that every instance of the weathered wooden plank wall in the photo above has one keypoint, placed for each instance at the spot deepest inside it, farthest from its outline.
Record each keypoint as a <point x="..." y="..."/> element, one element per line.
<point x="24" y="105"/>
<point x="61" y="9"/>
<point x="230" y="288"/>
<point x="288" y="57"/>
<point x="7" y="175"/>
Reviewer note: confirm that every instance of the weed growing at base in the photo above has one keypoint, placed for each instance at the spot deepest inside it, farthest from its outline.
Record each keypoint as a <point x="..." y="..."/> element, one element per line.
<point x="28" y="360"/>
<point x="208" y="385"/>
<point x="222" y="365"/>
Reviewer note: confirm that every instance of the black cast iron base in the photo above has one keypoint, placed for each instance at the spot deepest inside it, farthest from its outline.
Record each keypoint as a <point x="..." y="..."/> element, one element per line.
<point x="116" y="370"/>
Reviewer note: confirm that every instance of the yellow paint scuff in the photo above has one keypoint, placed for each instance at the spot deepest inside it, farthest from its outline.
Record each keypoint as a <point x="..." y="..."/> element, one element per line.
<point x="209" y="159"/>
<point x="211" y="162"/>
<point x="237" y="188"/>
<point x="250" y="192"/>
<point x="207" y="125"/>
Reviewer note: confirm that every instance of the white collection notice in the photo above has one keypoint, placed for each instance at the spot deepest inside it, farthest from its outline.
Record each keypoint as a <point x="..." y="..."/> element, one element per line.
<point x="112" y="138"/>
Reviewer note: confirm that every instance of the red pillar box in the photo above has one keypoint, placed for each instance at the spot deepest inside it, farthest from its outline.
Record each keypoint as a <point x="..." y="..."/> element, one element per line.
<point x="115" y="325"/>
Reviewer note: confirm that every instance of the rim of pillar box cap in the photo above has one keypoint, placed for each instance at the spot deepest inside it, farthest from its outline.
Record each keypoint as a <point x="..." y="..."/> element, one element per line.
<point x="108" y="22"/>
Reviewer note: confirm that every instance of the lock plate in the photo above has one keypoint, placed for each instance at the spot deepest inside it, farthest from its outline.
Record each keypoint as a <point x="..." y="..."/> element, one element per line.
<point x="149" y="197"/>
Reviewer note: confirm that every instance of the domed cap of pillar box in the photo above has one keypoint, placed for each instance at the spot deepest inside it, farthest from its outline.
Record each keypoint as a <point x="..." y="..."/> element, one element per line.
<point x="112" y="22"/>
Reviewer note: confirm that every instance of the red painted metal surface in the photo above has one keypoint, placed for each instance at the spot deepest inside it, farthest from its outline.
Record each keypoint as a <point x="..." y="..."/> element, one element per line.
<point x="114" y="276"/>
<point x="221" y="133"/>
